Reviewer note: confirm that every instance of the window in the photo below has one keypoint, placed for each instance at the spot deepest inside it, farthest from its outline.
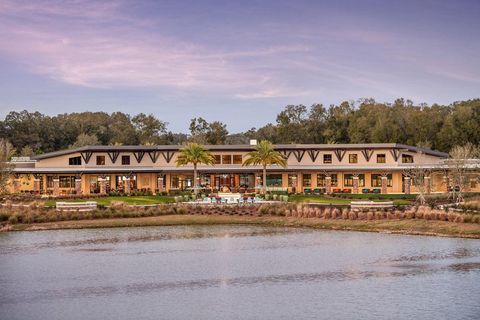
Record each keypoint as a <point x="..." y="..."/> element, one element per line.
<point x="307" y="180"/>
<point x="406" y="158"/>
<point x="100" y="160"/>
<point x="75" y="161"/>
<point x="377" y="181"/>
<point x="67" y="182"/>
<point x="292" y="180"/>
<point x="381" y="158"/>
<point x="49" y="181"/>
<point x="237" y="159"/>
<point x="226" y="159"/>
<point x="334" y="181"/>
<point x="327" y="158"/>
<point x="218" y="158"/>
<point x="274" y="180"/>
<point x="125" y="160"/>
<point x="321" y="182"/>
<point x="348" y="180"/>
<point x="352" y="158"/>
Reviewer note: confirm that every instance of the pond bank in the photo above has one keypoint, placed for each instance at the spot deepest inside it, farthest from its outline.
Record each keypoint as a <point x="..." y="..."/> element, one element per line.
<point x="396" y="226"/>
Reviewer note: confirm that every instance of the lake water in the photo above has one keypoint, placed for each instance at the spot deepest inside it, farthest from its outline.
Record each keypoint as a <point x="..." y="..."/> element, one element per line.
<point x="236" y="272"/>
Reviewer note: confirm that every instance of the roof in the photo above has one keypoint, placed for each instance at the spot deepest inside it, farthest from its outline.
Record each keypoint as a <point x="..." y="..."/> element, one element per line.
<point x="242" y="147"/>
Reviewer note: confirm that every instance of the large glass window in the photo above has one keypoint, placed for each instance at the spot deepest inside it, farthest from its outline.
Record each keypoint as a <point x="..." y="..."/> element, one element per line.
<point x="49" y="181"/>
<point x="381" y="158"/>
<point x="327" y="158"/>
<point x="274" y="180"/>
<point x="353" y="158"/>
<point x="120" y="182"/>
<point x="75" y="161"/>
<point x="406" y="158"/>
<point x="292" y="180"/>
<point x="226" y="159"/>
<point x="247" y="180"/>
<point x="377" y="180"/>
<point x="237" y="159"/>
<point x="307" y="180"/>
<point x="67" y="182"/>
<point x="348" y="180"/>
<point x="321" y="181"/>
<point x="181" y="182"/>
<point x="100" y="160"/>
<point x="334" y="182"/>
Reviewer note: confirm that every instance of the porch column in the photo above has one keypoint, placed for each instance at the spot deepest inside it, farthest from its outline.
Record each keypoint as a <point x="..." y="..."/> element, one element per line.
<point x="160" y="184"/>
<point x="407" y="185"/>
<point x="384" y="184"/>
<point x="314" y="180"/>
<point x="328" y="184"/>
<point x="103" y="185"/>
<point x="78" y="185"/>
<point x="428" y="185"/>
<point x="300" y="182"/>
<point x="36" y="185"/>
<point x="355" y="184"/>
<point x="127" y="185"/>
<point x="56" y="186"/>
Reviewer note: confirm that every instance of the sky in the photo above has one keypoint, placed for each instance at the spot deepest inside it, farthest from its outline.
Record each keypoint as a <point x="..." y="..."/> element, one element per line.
<point x="239" y="62"/>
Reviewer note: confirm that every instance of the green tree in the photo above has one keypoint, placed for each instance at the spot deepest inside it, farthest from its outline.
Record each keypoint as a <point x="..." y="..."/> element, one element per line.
<point x="85" y="140"/>
<point x="26" y="151"/>
<point x="265" y="155"/>
<point x="122" y="129"/>
<point x="6" y="153"/>
<point x="207" y="133"/>
<point x="195" y="154"/>
<point x="148" y="128"/>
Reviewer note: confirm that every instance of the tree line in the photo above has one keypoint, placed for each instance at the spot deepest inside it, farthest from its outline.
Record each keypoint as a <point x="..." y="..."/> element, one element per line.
<point x="437" y="126"/>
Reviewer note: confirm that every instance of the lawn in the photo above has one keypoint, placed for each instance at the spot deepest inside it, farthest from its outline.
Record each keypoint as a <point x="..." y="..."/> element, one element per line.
<point x="106" y="201"/>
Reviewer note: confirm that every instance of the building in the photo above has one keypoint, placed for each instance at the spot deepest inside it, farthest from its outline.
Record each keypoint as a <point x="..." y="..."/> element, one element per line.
<point x="325" y="168"/>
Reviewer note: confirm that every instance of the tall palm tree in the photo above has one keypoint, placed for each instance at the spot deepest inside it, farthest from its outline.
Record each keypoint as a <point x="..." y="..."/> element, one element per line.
<point x="265" y="155"/>
<point x="195" y="154"/>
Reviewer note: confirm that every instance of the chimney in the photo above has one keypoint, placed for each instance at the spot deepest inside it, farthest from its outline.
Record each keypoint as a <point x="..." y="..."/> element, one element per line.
<point x="253" y="142"/>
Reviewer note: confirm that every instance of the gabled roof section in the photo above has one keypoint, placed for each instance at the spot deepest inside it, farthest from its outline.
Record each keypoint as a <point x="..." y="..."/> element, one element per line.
<point x="243" y="147"/>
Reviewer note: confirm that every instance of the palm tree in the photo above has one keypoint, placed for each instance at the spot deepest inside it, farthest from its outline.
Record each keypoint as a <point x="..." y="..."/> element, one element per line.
<point x="195" y="154"/>
<point x="265" y="155"/>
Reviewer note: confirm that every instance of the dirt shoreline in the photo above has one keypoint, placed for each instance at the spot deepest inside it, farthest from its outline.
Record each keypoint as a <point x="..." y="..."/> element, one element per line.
<point x="393" y="226"/>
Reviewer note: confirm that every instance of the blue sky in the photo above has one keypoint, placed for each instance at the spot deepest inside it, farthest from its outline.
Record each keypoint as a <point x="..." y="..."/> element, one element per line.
<point x="239" y="62"/>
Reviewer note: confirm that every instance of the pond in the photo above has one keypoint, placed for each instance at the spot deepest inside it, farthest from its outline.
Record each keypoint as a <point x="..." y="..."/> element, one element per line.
<point x="236" y="272"/>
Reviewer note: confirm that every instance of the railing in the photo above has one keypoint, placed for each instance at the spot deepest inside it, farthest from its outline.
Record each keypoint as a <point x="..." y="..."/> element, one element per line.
<point x="76" y="206"/>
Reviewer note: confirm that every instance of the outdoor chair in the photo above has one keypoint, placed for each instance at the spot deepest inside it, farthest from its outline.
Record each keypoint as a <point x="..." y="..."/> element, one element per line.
<point x="365" y="190"/>
<point x="376" y="190"/>
<point x="307" y="190"/>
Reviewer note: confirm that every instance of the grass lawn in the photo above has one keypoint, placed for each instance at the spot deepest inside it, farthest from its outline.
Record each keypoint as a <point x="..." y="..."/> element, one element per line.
<point x="341" y="201"/>
<point x="106" y="201"/>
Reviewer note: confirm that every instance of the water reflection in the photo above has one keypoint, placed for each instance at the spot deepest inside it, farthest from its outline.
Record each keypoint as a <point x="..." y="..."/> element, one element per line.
<point x="206" y="272"/>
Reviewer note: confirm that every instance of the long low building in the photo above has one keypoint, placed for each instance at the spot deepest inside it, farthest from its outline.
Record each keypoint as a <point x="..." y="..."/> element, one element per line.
<point x="356" y="168"/>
